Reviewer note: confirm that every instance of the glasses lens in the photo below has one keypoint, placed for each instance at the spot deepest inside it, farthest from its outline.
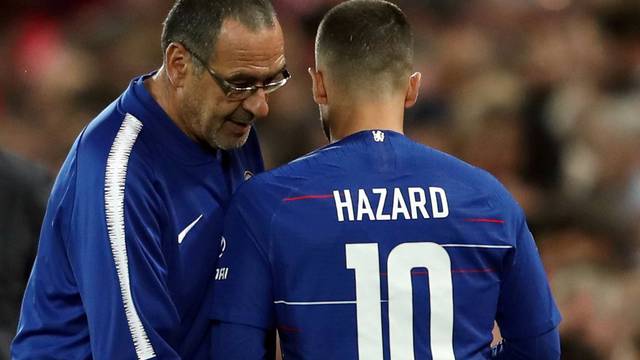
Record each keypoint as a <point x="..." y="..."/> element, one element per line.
<point x="243" y="93"/>
<point x="239" y="94"/>
<point x="278" y="82"/>
<point x="269" y="88"/>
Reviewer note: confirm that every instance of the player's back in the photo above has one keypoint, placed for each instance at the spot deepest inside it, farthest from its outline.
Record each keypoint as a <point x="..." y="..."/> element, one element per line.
<point x="381" y="248"/>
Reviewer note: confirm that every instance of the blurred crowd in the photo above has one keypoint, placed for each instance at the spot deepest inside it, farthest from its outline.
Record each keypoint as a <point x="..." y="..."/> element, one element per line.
<point x="544" y="94"/>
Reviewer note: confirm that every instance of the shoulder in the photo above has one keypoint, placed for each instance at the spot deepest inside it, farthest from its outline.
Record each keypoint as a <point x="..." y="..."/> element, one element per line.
<point x="310" y="165"/>
<point x="259" y="191"/>
<point x="113" y="126"/>
<point x="468" y="179"/>
<point x="460" y="171"/>
<point x="260" y="198"/>
<point x="112" y="140"/>
<point x="280" y="181"/>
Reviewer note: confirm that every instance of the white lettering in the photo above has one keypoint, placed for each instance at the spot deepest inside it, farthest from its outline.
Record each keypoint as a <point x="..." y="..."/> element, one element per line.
<point x="341" y="205"/>
<point x="399" y="206"/>
<point x="418" y="200"/>
<point x="416" y="209"/>
<point x="439" y="196"/>
<point x="364" y="207"/>
<point x="383" y="196"/>
<point x="222" y="273"/>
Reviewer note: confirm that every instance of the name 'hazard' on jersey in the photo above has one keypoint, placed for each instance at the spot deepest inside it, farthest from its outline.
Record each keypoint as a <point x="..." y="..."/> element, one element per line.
<point x="376" y="247"/>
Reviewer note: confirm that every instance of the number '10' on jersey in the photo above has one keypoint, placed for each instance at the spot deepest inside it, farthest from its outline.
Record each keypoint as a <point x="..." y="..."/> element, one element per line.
<point x="376" y="247"/>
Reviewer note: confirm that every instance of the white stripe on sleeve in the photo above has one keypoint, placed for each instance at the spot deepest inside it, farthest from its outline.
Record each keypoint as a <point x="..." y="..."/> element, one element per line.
<point x="116" y="174"/>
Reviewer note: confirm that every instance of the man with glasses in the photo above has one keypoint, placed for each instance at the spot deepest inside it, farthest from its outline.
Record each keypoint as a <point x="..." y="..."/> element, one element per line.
<point x="134" y="220"/>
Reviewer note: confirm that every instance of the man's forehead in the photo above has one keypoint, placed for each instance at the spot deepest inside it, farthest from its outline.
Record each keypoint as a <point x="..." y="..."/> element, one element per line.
<point x="252" y="52"/>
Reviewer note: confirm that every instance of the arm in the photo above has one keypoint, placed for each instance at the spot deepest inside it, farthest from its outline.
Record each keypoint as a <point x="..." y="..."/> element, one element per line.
<point x="117" y="254"/>
<point x="99" y="285"/>
<point x="242" y="292"/>
<point x="527" y="314"/>
<point x="235" y="341"/>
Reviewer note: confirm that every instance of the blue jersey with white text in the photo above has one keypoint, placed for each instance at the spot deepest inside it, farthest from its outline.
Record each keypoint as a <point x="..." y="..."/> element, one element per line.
<point x="376" y="247"/>
<point x="128" y="243"/>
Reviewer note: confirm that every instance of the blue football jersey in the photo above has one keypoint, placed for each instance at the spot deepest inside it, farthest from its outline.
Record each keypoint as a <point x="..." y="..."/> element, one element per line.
<point x="130" y="233"/>
<point x="376" y="247"/>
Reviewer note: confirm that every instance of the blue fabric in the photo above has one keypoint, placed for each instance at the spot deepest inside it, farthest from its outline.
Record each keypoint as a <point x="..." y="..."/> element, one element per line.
<point x="241" y="341"/>
<point x="542" y="347"/>
<point x="74" y="305"/>
<point x="285" y="263"/>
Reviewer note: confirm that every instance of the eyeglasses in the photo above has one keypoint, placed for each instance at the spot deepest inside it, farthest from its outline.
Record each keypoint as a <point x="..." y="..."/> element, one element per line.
<point x="240" y="93"/>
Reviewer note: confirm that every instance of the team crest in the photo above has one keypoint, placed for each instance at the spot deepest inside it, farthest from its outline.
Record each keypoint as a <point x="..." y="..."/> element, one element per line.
<point x="378" y="136"/>
<point x="247" y="175"/>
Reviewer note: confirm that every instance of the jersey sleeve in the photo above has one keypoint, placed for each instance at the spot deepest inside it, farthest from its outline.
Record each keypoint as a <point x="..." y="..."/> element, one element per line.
<point x="242" y="288"/>
<point x="526" y="307"/>
<point x="235" y="341"/>
<point x="119" y="264"/>
<point x="100" y="268"/>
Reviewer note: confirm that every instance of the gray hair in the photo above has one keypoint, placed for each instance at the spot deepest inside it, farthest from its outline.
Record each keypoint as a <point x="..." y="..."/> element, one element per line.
<point x="196" y="23"/>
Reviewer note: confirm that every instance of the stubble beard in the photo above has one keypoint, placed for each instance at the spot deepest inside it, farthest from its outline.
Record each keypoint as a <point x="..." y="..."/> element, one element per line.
<point x="210" y="132"/>
<point x="227" y="143"/>
<point x="216" y="139"/>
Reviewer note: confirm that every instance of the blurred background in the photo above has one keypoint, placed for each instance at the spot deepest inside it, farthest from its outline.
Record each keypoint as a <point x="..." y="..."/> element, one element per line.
<point x="544" y="94"/>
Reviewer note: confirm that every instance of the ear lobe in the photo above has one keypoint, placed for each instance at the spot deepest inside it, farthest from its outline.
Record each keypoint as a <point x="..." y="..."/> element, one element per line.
<point x="317" y="87"/>
<point x="177" y="65"/>
<point x="412" y="90"/>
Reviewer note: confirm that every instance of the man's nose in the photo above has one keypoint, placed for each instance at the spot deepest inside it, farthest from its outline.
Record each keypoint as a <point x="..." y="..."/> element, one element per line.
<point x="257" y="104"/>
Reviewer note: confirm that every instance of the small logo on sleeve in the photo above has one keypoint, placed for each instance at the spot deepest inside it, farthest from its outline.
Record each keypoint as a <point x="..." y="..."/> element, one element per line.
<point x="223" y="246"/>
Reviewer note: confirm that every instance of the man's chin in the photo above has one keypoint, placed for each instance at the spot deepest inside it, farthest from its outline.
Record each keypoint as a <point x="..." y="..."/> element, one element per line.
<point x="231" y="141"/>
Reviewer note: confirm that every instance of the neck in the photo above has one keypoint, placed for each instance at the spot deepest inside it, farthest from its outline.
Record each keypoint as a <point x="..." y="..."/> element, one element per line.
<point x="354" y="116"/>
<point x="161" y="89"/>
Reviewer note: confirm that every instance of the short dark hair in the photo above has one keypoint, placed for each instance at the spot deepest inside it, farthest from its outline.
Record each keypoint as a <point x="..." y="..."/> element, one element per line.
<point x="365" y="43"/>
<point x="196" y="23"/>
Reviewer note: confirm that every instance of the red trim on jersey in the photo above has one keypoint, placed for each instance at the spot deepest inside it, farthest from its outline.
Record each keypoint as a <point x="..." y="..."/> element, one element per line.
<point x="495" y="221"/>
<point x="288" y="329"/>
<point x="487" y="270"/>
<point x="458" y="271"/>
<point x="306" y="197"/>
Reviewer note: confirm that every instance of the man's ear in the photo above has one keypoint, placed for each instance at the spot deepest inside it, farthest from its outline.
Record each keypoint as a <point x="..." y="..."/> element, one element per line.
<point x="318" y="88"/>
<point x="413" y="89"/>
<point x="177" y="63"/>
